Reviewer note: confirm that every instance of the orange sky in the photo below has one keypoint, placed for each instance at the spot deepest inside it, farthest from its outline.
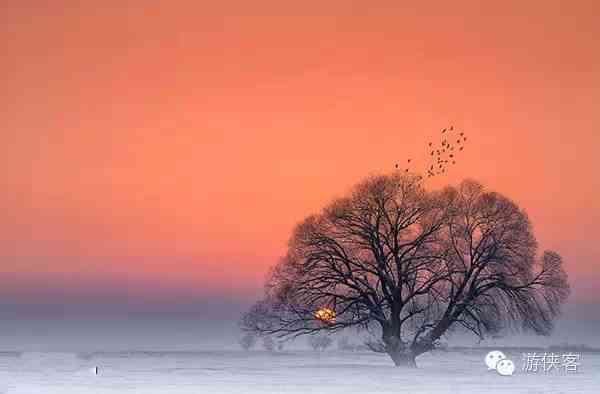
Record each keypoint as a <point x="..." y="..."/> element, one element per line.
<point x="174" y="146"/>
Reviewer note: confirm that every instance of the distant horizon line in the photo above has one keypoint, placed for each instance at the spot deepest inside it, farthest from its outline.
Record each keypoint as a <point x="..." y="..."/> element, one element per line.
<point x="90" y="353"/>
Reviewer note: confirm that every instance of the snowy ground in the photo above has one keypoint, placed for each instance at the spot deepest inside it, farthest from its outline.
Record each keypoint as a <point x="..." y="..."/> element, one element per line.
<point x="288" y="372"/>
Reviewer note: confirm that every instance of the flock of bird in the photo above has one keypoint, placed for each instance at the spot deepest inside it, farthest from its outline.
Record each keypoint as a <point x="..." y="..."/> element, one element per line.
<point x="443" y="154"/>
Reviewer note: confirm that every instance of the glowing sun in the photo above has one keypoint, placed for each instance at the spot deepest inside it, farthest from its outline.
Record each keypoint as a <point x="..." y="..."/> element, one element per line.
<point x="325" y="315"/>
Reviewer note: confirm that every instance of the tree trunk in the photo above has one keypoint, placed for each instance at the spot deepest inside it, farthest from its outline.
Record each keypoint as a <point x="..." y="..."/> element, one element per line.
<point x="405" y="359"/>
<point x="401" y="354"/>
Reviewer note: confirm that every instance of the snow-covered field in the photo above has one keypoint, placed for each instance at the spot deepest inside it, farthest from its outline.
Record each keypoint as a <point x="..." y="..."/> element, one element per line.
<point x="287" y="372"/>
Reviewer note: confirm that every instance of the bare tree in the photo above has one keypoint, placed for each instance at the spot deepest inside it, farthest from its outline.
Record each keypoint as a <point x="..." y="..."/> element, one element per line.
<point x="280" y="346"/>
<point x="319" y="342"/>
<point x="344" y="345"/>
<point x="410" y="266"/>
<point x="268" y="344"/>
<point x="247" y="341"/>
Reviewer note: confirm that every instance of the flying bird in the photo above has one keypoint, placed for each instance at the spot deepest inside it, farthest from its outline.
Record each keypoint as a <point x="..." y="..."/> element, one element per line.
<point x="444" y="152"/>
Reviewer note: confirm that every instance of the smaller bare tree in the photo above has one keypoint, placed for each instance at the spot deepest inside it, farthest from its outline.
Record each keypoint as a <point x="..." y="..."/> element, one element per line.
<point x="344" y="345"/>
<point x="247" y="341"/>
<point x="268" y="344"/>
<point x="280" y="346"/>
<point x="320" y="342"/>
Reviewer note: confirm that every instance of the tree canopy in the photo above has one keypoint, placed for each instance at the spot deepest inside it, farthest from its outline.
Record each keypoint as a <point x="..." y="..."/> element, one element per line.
<point x="412" y="265"/>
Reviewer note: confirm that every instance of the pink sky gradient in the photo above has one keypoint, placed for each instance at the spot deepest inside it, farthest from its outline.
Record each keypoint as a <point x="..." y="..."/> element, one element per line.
<point x="169" y="149"/>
